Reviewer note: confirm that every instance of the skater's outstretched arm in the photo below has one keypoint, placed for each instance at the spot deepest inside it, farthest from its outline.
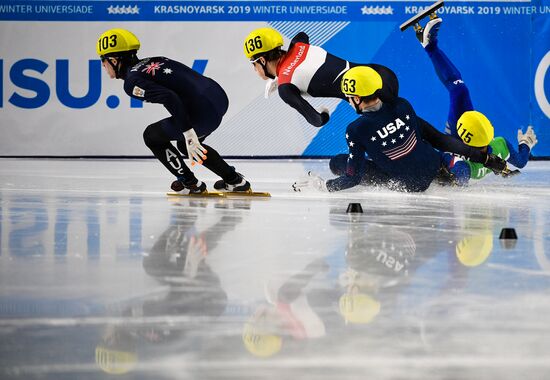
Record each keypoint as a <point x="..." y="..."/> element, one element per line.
<point x="526" y="142"/>
<point x="520" y="157"/>
<point x="291" y="95"/>
<point x="356" y="158"/>
<point x="447" y="143"/>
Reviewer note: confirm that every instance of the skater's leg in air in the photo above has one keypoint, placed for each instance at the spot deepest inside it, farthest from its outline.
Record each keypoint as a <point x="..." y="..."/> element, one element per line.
<point x="447" y="73"/>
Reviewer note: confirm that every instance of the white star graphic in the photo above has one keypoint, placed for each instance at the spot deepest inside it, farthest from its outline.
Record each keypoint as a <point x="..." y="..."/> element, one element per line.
<point x="373" y="138"/>
<point x="407" y="128"/>
<point x="351" y="155"/>
<point x="351" y="143"/>
<point x="393" y="141"/>
<point x="401" y="136"/>
<point x="347" y="136"/>
<point x="384" y="143"/>
<point x="167" y="71"/>
<point x="365" y="10"/>
<point x="407" y="117"/>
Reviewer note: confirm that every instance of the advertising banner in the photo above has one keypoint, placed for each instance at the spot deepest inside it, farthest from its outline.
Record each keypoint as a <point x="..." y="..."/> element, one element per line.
<point x="55" y="99"/>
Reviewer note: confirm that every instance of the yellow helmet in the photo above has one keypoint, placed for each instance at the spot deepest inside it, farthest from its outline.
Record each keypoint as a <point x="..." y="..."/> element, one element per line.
<point x="114" y="361"/>
<point x="475" y="129"/>
<point x="361" y="81"/>
<point x="259" y="342"/>
<point x="474" y="250"/>
<point x="116" y="41"/>
<point x="261" y="41"/>
<point x="358" y="308"/>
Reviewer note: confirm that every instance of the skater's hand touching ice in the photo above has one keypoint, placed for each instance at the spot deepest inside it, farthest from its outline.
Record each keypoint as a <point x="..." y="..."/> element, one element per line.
<point x="495" y="163"/>
<point x="310" y="181"/>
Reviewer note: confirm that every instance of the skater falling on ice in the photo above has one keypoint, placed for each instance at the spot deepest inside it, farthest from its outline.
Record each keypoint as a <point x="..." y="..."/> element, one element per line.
<point x="473" y="127"/>
<point x="401" y="150"/>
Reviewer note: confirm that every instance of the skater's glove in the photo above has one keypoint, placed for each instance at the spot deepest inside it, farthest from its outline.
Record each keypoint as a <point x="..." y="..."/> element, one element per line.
<point x="196" y="253"/>
<point x="310" y="181"/>
<point x="446" y="178"/>
<point x="325" y="115"/>
<point x="195" y="151"/>
<point x="270" y="87"/>
<point x="529" y="138"/>
<point x="510" y="173"/>
<point x="495" y="163"/>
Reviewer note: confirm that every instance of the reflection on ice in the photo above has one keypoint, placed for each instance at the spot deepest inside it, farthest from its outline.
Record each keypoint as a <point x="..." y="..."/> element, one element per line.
<point x="98" y="280"/>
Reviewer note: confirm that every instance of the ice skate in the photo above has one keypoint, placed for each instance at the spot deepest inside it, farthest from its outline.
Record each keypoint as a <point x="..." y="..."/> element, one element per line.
<point x="239" y="185"/>
<point x="194" y="187"/>
<point x="507" y="173"/>
<point x="414" y="21"/>
<point x="428" y="34"/>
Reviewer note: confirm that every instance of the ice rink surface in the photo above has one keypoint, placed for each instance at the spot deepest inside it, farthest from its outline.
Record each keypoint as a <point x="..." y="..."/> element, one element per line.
<point x="104" y="276"/>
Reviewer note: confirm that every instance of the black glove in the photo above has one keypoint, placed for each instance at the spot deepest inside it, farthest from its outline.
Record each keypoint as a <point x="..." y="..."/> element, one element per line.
<point x="446" y="178"/>
<point x="325" y="117"/>
<point x="510" y="173"/>
<point x="495" y="163"/>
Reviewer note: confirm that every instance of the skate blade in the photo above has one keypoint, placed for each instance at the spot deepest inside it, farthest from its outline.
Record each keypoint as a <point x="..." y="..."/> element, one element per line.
<point x="207" y="194"/>
<point x="510" y="173"/>
<point x="414" y="19"/>
<point x="223" y="194"/>
<point x="248" y="193"/>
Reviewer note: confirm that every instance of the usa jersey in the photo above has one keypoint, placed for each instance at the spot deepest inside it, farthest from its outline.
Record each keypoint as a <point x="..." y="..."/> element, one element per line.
<point x="392" y="139"/>
<point x="193" y="100"/>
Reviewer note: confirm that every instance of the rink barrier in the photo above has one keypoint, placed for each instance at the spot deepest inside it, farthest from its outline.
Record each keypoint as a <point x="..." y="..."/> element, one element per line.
<point x="55" y="77"/>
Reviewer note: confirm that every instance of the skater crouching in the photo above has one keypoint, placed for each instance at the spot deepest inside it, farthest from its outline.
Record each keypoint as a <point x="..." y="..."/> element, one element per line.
<point x="196" y="104"/>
